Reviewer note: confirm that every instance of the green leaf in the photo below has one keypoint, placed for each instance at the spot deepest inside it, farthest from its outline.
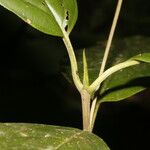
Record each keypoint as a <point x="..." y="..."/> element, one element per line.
<point x="139" y="82"/>
<point x="145" y="57"/>
<point x="45" y="137"/>
<point x="128" y="81"/>
<point x="125" y="82"/>
<point x="48" y="16"/>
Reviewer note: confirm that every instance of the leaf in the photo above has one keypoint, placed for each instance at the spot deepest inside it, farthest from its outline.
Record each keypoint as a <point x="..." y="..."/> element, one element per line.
<point x="145" y="57"/>
<point x="125" y="82"/>
<point x="128" y="81"/>
<point x="45" y="137"/>
<point x="37" y="13"/>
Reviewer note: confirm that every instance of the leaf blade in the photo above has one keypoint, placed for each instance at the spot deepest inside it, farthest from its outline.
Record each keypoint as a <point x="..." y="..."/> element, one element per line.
<point x="35" y="136"/>
<point x="37" y="14"/>
<point x="145" y="57"/>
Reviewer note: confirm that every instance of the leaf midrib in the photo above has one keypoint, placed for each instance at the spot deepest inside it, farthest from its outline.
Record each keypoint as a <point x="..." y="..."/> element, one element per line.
<point x="32" y="5"/>
<point x="67" y="140"/>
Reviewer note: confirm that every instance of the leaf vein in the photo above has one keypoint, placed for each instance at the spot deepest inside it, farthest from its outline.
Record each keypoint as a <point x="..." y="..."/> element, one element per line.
<point x="67" y="140"/>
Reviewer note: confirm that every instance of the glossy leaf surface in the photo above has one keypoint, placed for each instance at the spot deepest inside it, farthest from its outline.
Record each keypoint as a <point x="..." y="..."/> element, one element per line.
<point x="46" y="137"/>
<point x="38" y="14"/>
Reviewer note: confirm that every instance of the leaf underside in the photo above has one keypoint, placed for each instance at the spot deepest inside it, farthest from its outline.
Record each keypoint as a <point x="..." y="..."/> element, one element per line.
<point x="125" y="82"/>
<point x="45" y="137"/>
<point x="37" y="14"/>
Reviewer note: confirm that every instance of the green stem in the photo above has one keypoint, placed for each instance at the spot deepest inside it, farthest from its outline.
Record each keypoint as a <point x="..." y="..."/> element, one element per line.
<point x="86" y="98"/>
<point x="92" y="112"/>
<point x="110" y="71"/>
<point x="97" y="105"/>
<point x="107" y="49"/>
<point x="102" y="78"/>
<point x="111" y="34"/>
<point x="73" y="61"/>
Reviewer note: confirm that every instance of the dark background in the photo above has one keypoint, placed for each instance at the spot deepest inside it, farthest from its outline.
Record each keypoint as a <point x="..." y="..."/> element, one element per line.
<point x="32" y="88"/>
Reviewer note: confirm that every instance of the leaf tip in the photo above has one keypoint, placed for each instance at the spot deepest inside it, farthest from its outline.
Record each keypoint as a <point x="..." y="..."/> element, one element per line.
<point x="85" y="70"/>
